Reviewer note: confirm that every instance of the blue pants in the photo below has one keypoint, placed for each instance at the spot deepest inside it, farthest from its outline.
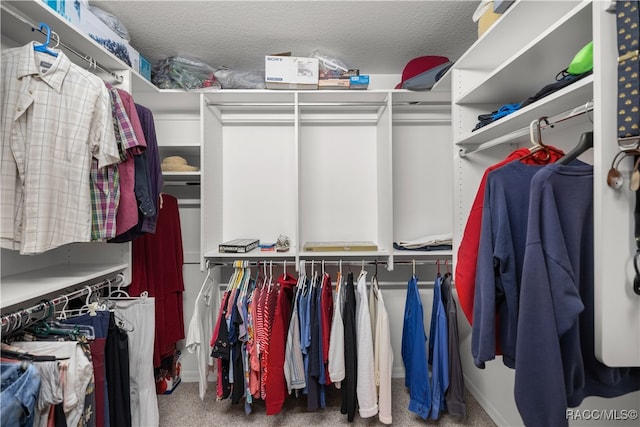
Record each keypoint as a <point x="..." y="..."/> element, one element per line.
<point x="20" y="387"/>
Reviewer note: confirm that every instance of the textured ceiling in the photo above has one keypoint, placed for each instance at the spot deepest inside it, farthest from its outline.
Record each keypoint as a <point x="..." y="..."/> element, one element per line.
<point x="377" y="37"/>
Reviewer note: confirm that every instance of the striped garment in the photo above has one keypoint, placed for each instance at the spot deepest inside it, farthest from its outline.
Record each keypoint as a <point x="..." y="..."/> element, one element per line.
<point x="105" y="182"/>
<point x="270" y="311"/>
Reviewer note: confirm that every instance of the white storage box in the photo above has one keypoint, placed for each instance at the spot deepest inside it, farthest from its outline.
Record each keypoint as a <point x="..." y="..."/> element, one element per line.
<point x="291" y="72"/>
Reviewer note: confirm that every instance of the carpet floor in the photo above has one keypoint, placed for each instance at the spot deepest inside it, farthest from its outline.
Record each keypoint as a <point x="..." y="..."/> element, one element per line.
<point x="184" y="408"/>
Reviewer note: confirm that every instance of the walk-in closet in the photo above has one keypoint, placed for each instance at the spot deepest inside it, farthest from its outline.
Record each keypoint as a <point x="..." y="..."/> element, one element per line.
<point x="187" y="240"/>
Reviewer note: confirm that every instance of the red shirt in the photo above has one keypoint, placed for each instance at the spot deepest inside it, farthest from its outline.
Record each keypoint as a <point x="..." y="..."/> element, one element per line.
<point x="276" y="385"/>
<point x="465" y="274"/>
<point x="326" y="316"/>
<point x="157" y="268"/>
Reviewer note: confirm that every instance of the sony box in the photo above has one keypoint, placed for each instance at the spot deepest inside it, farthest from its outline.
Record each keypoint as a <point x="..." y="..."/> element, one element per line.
<point x="291" y="72"/>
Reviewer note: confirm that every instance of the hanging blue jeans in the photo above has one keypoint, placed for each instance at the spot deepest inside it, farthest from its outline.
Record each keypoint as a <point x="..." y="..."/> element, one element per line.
<point x="20" y="387"/>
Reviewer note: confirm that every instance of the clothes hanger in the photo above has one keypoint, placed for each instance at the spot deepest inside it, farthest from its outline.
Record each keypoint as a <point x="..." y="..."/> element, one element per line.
<point x="538" y="150"/>
<point x="363" y="272"/>
<point x="118" y="293"/>
<point x="63" y="315"/>
<point x="585" y="143"/>
<point x="45" y="46"/>
<point x="270" y="285"/>
<point x="86" y="308"/>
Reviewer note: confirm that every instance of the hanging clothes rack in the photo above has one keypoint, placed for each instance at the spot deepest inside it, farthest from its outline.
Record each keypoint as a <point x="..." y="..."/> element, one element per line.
<point x="211" y="264"/>
<point x="30" y="315"/>
<point x="567" y="115"/>
<point x="93" y="64"/>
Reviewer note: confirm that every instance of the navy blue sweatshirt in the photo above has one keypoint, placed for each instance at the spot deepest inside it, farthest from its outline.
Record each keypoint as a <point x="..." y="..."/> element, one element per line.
<point x="556" y="366"/>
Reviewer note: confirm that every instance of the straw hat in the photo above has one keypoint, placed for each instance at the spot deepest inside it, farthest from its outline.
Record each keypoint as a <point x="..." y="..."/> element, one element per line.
<point x="176" y="164"/>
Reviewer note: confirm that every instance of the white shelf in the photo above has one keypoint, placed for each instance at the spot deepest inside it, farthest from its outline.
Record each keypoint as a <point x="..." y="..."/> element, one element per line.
<point x="507" y="35"/>
<point x="546" y="54"/>
<point x="344" y="254"/>
<point x="182" y="176"/>
<point x="254" y="254"/>
<point x="398" y="253"/>
<point x="23" y="287"/>
<point x="572" y="96"/>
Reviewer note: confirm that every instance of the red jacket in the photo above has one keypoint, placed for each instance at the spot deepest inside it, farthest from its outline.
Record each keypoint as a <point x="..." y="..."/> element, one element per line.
<point x="465" y="274"/>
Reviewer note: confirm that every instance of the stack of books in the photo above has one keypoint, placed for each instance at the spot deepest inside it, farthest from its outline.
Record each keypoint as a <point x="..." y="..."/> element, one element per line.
<point x="238" y="246"/>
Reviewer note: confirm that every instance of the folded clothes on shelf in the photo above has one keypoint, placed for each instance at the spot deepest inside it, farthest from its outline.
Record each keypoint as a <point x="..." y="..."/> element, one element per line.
<point x="427" y="243"/>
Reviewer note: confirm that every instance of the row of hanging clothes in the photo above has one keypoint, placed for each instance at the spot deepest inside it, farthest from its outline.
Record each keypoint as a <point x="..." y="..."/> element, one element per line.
<point x="311" y="337"/>
<point x="433" y="368"/>
<point x="92" y="169"/>
<point x="84" y="366"/>
<point x="525" y="279"/>
<point x="305" y="338"/>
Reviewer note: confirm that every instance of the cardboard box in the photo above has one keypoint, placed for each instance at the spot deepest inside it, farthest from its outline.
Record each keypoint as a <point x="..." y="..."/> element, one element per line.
<point x="500" y="6"/>
<point x="359" y="82"/>
<point x="78" y="14"/>
<point x="291" y="72"/>
<point x="168" y="374"/>
<point x="333" y="84"/>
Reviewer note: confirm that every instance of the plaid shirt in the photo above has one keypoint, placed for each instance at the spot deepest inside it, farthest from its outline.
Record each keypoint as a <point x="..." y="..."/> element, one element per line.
<point x="132" y="144"/>
<point x="105" y="192"/>
<point x="60" y="125"/>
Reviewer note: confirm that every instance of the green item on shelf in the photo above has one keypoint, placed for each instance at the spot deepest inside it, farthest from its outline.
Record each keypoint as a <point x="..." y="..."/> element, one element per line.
<point x="583" y="61"/>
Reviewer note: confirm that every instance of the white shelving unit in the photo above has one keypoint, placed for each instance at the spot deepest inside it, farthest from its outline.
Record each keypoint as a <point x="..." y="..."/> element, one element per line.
<point x="24" y="278"/>
<point x="322" y="168"/>
<point x="490" y="74"/>
<point x="514" y="59"/>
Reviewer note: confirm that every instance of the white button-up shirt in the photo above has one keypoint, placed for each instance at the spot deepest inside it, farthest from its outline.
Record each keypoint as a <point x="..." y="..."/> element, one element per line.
<point x="56" y="117"/>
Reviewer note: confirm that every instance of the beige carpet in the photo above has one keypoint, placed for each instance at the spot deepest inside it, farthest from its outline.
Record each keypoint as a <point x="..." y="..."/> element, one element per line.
<point x="184" y="408"/>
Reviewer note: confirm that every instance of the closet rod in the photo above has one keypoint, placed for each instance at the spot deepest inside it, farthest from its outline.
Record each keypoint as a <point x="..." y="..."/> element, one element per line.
<point x="15" y="320"/>
<point x="571" y="114"/>
<point x="319" y="104"/>
<point x="250" y="104"/>
<point x="211" y="264"/>
<point x="118" y="79"/>
<point x="301" y="104"/>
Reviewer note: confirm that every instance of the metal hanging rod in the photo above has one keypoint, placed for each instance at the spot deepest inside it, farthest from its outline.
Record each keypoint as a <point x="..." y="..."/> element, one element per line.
<point x="300" y="104"/>
<point x="318" y="104"/>
<point x="250" y="104"/>
<point x="16" y="320"/>
<point x="212" y="264"/>
<point x="93" y="65"/>
<point x="571" y="114"/>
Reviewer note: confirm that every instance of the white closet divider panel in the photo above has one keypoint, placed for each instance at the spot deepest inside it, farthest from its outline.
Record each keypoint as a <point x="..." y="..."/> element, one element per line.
<point x="338" y="200"/>
<point x="249" y="187"/>
<point x="210" y="181"/>
<point x="422" y="197"/>
<point x="345" y="169"/>
<point x="617" y="307"/>
<point x="258" y="182"/>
